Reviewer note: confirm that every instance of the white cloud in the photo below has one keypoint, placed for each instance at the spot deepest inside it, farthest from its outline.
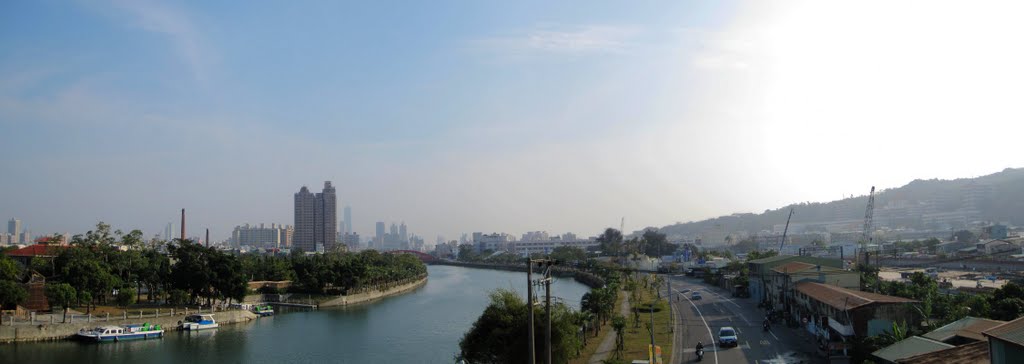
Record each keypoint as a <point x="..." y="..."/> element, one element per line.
<point x="175" y="23"/>
<point x="565" y="40"/>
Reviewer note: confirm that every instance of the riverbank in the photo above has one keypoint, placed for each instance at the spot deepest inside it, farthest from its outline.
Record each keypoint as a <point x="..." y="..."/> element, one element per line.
<point x="365" y="297"/>
<point x="586" y="278"/>
<point x="62" y="331"/>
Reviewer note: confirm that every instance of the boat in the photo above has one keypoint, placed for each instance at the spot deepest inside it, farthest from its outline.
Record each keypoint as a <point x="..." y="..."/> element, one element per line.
<point x="199" y="322"/>
<point x="263" y="310"/>
<point x="119" y="333"/>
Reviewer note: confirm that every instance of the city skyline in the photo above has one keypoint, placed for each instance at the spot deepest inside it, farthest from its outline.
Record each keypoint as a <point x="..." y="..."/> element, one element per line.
<point x="460" y="118"/>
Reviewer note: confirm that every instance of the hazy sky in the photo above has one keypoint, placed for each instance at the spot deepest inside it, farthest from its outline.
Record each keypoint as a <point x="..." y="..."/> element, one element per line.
<point x="506" y="116"/>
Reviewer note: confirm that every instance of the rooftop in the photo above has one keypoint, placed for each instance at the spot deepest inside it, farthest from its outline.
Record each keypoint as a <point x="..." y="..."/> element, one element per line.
<point x="845" y="299"/>
<point x="967" y="327"/>
<point x="35" y="250"/>
<point x="911" y="346"/>
<point x="976" y="352"/>
<point x="1012" y="332"/>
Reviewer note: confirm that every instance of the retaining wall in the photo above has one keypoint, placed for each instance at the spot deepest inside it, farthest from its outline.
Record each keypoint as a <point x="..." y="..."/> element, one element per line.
<point x="372" y="295"/>
<point x="49" y="332"/>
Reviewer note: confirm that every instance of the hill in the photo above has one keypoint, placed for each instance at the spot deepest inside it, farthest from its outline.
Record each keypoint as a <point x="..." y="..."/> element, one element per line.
<point x="921" y="205"/>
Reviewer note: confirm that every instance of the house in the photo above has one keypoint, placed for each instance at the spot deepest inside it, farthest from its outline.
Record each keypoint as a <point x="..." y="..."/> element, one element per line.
<point x="25" y="255"/>
<point x="760" y="271"/>
<point x="997" y="246"/>
<point x="962" y="338"/>
<point x="1006" y="342"/>
<point x="835" y="314"/>
<point x="909" y="347"/>
<point x="973" y="353"/>
<point x="963" y="331"/>
<point x="785" y="276"/>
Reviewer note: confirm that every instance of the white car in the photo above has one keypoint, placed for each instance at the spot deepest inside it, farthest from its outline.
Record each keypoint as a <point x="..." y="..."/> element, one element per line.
<point x="727" y="337"/>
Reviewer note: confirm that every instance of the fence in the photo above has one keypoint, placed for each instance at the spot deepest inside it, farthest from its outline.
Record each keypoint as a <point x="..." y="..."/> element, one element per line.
<point x="33" y="318"/>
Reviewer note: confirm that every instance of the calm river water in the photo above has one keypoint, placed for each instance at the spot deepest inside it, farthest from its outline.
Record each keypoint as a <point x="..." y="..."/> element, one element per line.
<point x="423" y="326"/>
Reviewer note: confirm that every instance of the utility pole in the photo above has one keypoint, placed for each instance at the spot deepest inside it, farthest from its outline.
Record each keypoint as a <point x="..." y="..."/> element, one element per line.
<point x="182" y="224"/>
<point x="529" y="304"/>
<point x="547" y="305"/>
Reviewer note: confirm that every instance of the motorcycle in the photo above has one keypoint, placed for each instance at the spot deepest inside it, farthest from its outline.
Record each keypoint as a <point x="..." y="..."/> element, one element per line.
<point x="767" y="326"/>
<point x="700" y="354"/>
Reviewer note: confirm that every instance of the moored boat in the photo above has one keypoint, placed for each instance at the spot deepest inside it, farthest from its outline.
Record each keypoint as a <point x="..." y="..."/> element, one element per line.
<point x="119" y="333"/>
<point x="263" y="310"/>
<point x="199" y="322"/>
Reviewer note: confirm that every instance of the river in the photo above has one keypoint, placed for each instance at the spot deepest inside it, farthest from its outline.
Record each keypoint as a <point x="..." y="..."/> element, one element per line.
<point x="422" y="326"/>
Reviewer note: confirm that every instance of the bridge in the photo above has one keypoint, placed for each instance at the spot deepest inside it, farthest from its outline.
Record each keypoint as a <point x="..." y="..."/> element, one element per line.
<point x="424" y="257"/>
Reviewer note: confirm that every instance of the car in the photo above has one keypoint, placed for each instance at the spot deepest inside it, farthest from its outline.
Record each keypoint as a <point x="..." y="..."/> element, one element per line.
<point x="684" y="290"/>
<point x="727" y="337"/>
<point x="695" y="295"/>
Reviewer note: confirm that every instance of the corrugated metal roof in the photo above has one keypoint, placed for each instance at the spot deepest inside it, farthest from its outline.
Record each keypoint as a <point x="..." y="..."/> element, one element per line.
<point x="976" y="352"/>
<point x="1012" y="331"/>
<point x="771" y="259"/>
<point x="793" y="267"/>
<point x="845" y="299"/>
<point x="968" y="327"/>
<point x="911" y="346"/>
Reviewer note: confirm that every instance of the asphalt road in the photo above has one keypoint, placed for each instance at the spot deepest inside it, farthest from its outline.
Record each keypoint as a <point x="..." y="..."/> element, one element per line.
<point x="700" y="320"/>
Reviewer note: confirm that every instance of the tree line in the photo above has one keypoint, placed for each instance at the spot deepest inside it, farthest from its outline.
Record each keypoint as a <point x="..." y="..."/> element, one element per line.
<point x="102" y="267"/>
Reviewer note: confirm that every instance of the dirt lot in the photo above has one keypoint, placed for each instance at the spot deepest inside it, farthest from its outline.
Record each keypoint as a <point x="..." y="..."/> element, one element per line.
<point x="958" y="278"/>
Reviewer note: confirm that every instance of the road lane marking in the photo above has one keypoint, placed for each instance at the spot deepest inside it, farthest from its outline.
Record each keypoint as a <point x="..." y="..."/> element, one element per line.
<point x="773" y="335"/>
<point x="713" y="343"/>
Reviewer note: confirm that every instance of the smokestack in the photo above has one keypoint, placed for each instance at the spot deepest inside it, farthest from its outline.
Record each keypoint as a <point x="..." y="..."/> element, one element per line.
<point x="208" y="240"/>
<point x="182" y="224"/>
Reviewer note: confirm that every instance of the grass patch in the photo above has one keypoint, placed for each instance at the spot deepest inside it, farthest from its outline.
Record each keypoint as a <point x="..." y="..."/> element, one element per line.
<point x="638" y="338"/>
<point x="594" y="342"/>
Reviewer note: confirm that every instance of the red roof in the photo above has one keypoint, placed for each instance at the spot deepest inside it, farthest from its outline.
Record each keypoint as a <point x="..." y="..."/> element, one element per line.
<point x="793" y="267"/>
<point x="34" y="250"/>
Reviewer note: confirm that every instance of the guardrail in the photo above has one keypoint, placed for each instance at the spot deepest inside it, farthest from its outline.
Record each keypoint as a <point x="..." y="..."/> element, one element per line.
<point x="34" y="318"/>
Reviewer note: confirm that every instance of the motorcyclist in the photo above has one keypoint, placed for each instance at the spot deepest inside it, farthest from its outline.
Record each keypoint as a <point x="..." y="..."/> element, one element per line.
<point x="700" y="350"/>
<point x="767" y="323"/>
<point x="700" y="345"/>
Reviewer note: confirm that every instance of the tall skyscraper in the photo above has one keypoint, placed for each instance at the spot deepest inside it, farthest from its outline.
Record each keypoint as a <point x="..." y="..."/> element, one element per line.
<point x="403" y="233"/>
<point x="348" y="220"/>
<point x="380" y="232"/>
<point x="14" y="228"/>
<point x="316" y="219"/>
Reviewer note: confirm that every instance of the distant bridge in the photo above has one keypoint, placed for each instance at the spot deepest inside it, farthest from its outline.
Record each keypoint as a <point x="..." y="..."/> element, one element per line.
<point x="424" y="257"/>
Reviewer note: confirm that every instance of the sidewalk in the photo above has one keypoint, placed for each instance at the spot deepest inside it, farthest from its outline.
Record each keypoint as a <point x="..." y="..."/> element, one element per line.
<point x="607" y="347"/>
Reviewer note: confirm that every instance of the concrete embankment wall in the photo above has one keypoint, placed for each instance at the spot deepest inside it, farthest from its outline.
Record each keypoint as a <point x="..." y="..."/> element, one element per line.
<point x="373" y="295"/>
<point x="586" y="278"/>
<point x="48" y="332"/>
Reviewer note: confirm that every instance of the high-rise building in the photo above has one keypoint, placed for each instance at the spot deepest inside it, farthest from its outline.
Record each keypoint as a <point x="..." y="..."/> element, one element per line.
<point x="316" y="219"/>
<point x="403" y="233"/>
<point x="348" y="220"/>
<point x="378" y="239"/>
<point x="14" y="228"/>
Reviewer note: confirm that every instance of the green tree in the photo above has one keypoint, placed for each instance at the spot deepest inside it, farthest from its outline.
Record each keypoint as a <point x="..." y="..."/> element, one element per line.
<point x="61" y="294"/>
<point x="125" y="296"/>
<point x="9" y="269"/>
<point x="568" y="254"/>
<point x="12" y="293"/>
<point x="610" y="242"/>
<point x="619" y="324"/>
<point x="499" y="334"/>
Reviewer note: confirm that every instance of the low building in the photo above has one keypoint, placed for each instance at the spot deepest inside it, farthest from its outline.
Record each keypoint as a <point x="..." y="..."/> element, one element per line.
<point x="785" y="277"/>
<point x="1006" y="342"/>
<point x="25" y="255"/>
<point x="835" y="314"/>
<point x="760" y="271"/>
<point x="909" y="347"/>
<point x="963" y="331"/>
<point x="973" y="353"/>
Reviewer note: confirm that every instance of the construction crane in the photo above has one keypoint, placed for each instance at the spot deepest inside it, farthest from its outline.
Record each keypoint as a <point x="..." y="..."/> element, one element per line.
<point x="784" y="231"/>
<point x="869" y="214"/>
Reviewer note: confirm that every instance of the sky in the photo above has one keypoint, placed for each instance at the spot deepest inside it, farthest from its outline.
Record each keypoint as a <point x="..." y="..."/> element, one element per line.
<point x="492" y="116"/>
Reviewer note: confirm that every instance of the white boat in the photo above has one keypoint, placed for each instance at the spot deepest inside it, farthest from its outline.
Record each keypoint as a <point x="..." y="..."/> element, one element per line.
<point x="119" y="333"/>
<point x="199" y="322"/>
